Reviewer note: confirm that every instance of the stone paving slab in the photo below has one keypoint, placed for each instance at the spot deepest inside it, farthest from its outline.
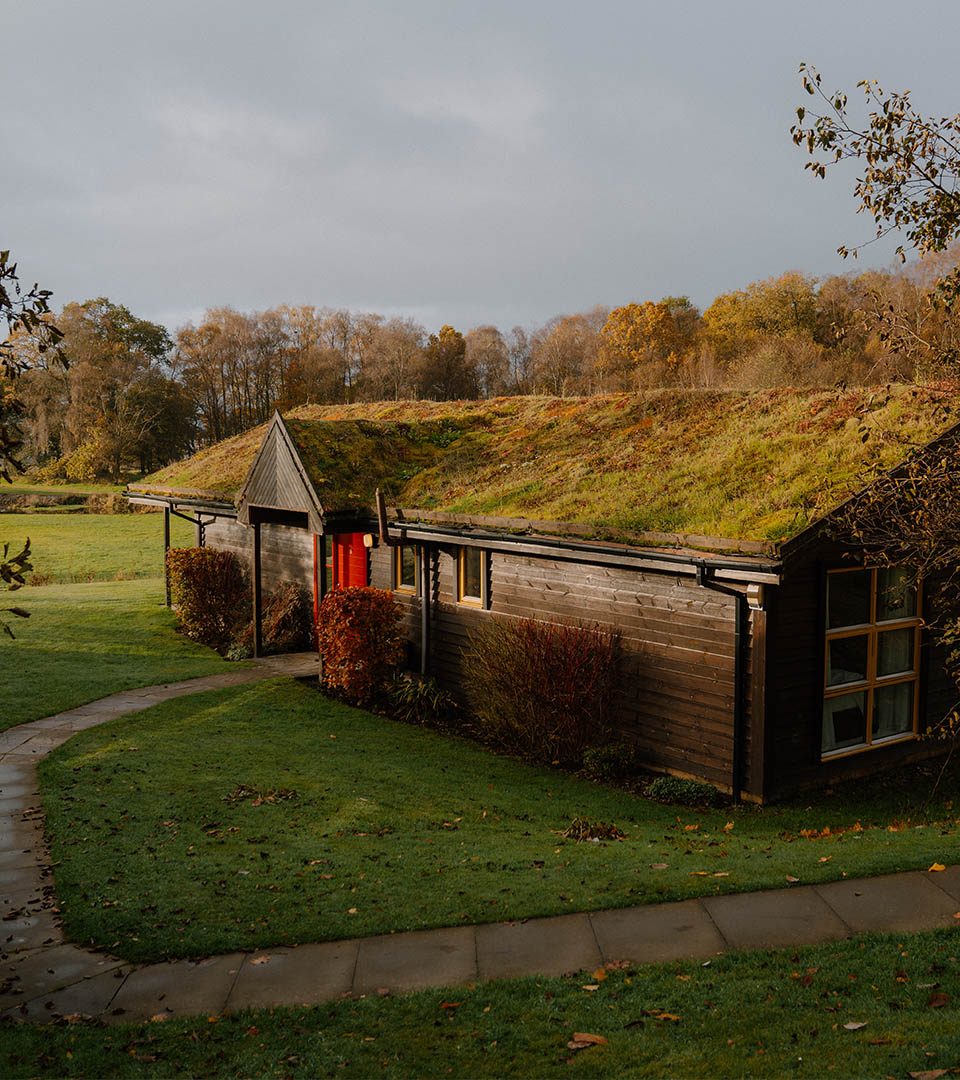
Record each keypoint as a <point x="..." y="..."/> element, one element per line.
<point x="896" y="902"/>
<point x="948" y="880"/>
<point x="43" y="971"/>
<point x="179" y="988"/>
<point x="296" y="976"/>
<point x="538" y="946"/>
<point x="775" y="918"/>
<point x="416" y="960"/>
<point x="19" y="859"/>
<point x="657" y="933"/>
<point x="90" y="997"/>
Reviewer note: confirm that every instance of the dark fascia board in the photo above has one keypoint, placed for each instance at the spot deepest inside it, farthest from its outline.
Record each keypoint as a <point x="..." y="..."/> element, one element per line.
<point x="213" y="507"/>
<point x="314" y="509"/>
<point x="745" y="569"/>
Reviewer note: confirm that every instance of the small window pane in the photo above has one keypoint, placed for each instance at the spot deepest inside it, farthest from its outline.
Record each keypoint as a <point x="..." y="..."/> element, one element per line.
<point x="896" y="595"/>
<point x="844" y="721"/>
<point x="470" y="581"/>
<point x="892" y="710"/>
<point x="408" y="567"/>
<point x="895" y="651"/>
<point x="848" y="598"/>
<point x="847" y="660"/>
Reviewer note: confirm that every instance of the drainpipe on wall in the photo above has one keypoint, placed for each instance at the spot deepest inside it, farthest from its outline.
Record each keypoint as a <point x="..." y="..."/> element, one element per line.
<point x="740" y="642"/>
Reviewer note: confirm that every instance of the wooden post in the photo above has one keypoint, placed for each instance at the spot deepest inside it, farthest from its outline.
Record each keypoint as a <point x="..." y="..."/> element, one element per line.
<point x="257" y="594"/>
<point x="425" y="588"/>
<point x="166" y="548"/>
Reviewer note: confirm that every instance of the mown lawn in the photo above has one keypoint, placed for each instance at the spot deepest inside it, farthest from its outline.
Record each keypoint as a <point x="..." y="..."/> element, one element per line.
<point x="83" y="642"/>
<point x="270" y="815"/>
<point x="748" y="1014"/>
<point x="93" y="547"/>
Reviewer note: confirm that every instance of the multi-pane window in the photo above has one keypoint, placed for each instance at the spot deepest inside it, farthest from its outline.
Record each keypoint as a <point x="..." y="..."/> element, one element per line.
<point x="472" y="576"/>
<point x="872" y="658"/>
<point x="405" y="572"/>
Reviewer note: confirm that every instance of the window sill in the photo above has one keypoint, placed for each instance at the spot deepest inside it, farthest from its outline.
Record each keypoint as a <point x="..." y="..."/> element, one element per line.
<point x="850" y="751"/>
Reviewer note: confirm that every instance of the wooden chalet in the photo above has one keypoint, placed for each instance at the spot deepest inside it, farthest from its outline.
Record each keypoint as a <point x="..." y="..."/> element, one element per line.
<point x="757" y="653"/>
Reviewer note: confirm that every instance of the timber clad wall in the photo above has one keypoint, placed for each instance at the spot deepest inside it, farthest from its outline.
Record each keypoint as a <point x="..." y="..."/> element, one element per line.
<point x="675" y="693"/>
<point x="286" y="553"/>
<point x="795" y="686"/>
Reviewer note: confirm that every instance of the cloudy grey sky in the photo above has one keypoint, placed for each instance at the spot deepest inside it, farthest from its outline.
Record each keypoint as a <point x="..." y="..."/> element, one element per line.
<point x="464" y="162"/>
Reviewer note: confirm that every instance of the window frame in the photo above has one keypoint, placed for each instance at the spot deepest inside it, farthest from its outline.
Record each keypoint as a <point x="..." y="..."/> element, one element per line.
<point x="483" y="600"/>
<point x="872" y="681"/>
<point x="398" y="583"/>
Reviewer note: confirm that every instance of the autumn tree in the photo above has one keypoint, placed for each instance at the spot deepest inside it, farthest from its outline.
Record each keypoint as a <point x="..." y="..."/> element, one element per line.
<point x="446" y="374"/>
<point x="910" y="176"/>
<point x="488" y="355"/>
<point x="647" y="342"/>
<point x="394" y="360"/>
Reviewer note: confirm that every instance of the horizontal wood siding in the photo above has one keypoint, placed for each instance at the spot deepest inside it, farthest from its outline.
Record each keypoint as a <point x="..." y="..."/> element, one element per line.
<point x="286" y="554"/>
<point x="381" y="577"/>
<point x="674" y="697"/>
<point x="795" y="680"/>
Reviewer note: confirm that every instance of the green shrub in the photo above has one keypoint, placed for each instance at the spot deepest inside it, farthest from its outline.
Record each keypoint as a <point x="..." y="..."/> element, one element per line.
<point x="541" y="689"/>
<point x="420" y="702"/>
<point x="611" y="762"/>
<point x="210" y="592"/>
<point x="360" y="641"/>
<point x="671" y="789"/>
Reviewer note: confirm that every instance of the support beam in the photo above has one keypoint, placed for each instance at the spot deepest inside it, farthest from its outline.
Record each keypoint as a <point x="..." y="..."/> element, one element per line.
<point x="166" y="548"/>
<point x="426" y="585"/>
<point x="257" y="594"/>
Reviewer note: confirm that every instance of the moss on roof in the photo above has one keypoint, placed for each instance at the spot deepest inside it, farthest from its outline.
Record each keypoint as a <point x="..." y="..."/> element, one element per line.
<point x="759" y="465"/>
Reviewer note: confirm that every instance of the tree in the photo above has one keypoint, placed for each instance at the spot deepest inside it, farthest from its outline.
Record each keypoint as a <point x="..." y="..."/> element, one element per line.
<point x="488" y="355"/>
<point x="26" y="316"/>
<point x="648" y="340"/>
<point x="911" y="164"/>
<point x="446" y="373"/>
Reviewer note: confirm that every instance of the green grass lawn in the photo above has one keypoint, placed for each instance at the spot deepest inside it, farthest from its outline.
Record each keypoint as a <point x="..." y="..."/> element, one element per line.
<point x="82" y="642"/>
<point x="748" y="1014"/>
<point x="93" y="547"/>
<point x="162" y="847"/>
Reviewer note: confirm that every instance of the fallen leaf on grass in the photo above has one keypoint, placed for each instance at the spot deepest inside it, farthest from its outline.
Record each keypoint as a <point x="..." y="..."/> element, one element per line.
<point x="928" y="1074"/>
<point x="936" y="868"/>
<point x="691" y="828"/>
<point x="721" y="873"/>
<point x="600" y="974"/>
<point x="450" y="1004"/>
<point x="582" y="1039"/>
<point x="351" y="911"/>
<point x="937" y="1000"/>
<point x="658" y="866"/>
<point x="855" y="1025"/>
<point x="699" y="873"/>
<point x="591" y="986"/>
<point x="879" y="1042"/>
<point x="793" y="880"/>
<point x="825" y="858"/>
<point x="728" y="827"/>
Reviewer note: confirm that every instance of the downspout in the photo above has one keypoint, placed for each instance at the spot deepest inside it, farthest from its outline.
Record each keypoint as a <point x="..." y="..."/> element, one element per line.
<point x="740" y="641"/>
<point x="424" y="553"/>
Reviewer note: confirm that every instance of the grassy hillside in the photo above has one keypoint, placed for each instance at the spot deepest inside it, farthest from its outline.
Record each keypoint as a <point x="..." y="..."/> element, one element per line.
<point x="757" y="465"/>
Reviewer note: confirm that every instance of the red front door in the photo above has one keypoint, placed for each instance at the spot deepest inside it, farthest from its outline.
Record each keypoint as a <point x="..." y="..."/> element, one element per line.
<point x="349" y="562"/>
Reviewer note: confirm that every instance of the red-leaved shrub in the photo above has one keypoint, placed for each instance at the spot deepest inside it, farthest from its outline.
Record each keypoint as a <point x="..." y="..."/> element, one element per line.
<point x="541" y="689"/>
<point x="210" y="592"/>
<point x="361" y="643"/>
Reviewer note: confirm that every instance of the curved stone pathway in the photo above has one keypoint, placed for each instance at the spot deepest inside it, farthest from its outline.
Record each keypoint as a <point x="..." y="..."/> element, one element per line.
<point x="43" y="977"/>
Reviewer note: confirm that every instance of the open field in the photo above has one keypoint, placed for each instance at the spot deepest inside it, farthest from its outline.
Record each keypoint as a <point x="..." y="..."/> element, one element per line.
<point x="26" y="487"/>
<point x="748" y="1014"/>
<point x="82" y="642"/>
<point x="93" y="547"/>
<point x="271" y="815"/>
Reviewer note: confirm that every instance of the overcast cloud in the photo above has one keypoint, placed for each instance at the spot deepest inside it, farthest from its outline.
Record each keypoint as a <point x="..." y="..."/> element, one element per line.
<point x="458" y="162"/>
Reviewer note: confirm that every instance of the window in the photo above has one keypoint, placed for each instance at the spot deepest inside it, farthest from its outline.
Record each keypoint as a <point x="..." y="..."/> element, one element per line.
<point x="406" y="571"/>
<point x="472" y="576"/>
<point x="871" y="659"/>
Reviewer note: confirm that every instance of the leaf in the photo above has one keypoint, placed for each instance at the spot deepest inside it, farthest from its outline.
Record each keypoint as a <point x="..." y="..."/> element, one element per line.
<point x="591" y="1040"/>
<point x="450" y="1004"/>
<point x="351" y="911"/>
<point x="937" y="1000"/>
<point x="699" y="873"/>
<point x="793" y="880"/>
<point x="591" y="986"/>
<point x="600" y="974"/>
<point x="936" y="868"/>
<point x="658" y="866"/>
<point x="855" y="1025"/>
<point x="262" y="959"/>
<point x="928" y="1074"/>
<point x="669" y="1017"/>
<point x="728" y="827"/>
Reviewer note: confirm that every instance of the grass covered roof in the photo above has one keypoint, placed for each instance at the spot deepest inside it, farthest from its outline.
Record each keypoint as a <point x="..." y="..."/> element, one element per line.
<point x="757" y="465"/>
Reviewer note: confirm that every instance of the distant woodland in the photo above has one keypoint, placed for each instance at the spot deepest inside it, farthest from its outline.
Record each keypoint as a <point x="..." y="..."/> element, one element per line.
<point x="133" y="397"/>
